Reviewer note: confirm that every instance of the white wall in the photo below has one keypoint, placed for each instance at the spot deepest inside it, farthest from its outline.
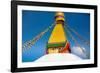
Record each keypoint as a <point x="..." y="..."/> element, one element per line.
<point x="5" y="32"/>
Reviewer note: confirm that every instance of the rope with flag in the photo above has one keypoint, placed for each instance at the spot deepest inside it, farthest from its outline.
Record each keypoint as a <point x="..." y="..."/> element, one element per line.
<point x="78" y="35"/>
<point x="76" y="42"/>
<point x="29" y="43"/>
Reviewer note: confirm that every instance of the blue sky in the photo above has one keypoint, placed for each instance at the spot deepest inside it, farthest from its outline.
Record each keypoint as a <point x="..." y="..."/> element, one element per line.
<point x="34" y="22"/>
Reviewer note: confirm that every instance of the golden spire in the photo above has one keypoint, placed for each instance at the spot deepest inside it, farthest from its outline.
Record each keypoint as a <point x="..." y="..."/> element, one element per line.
<point x="58" y="34"/>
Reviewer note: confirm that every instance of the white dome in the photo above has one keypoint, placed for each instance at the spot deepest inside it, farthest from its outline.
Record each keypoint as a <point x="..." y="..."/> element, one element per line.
<point x="58" y="57"/>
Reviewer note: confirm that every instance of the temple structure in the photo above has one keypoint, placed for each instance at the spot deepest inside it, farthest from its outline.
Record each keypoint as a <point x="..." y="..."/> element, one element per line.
<point x="58" y="42"/>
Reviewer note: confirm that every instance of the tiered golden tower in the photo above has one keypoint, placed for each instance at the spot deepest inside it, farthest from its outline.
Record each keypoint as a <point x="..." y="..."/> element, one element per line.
<point x="58" y="42"/>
